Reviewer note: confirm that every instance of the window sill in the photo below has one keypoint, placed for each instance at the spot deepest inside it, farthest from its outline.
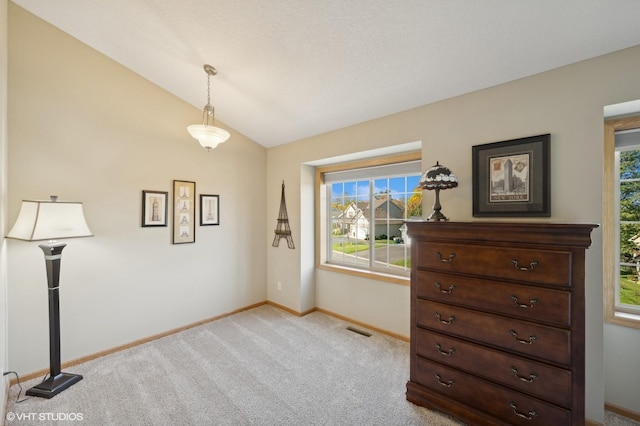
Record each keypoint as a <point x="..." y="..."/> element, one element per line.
<point x="624" y="319"/>
<point x="372" y="275"/>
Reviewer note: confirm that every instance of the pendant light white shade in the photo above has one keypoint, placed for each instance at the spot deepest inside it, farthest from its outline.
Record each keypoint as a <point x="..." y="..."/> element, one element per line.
<point x="208" y="136"/>
<point x="49" y="220"/>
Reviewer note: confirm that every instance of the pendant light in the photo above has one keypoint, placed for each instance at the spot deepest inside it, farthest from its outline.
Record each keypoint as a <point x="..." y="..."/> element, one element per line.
<point x="206" y="133"/>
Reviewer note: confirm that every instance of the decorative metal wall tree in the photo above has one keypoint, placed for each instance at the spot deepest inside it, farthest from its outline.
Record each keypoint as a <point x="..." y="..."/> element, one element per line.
<point x="283" y="230"/>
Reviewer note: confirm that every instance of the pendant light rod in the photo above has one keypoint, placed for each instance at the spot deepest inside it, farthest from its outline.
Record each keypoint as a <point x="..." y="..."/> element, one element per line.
<point x="206" y="133"/>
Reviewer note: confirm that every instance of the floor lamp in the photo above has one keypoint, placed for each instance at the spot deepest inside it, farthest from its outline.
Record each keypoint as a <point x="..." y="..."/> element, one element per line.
<point x="51" y="220"/>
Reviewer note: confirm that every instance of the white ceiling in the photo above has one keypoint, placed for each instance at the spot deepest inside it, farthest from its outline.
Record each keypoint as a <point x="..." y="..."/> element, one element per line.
<point x="289" y="69"/>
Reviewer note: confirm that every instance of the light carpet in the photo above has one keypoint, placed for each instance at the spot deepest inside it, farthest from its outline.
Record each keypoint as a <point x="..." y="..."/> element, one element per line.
<point x="259" y="367"/>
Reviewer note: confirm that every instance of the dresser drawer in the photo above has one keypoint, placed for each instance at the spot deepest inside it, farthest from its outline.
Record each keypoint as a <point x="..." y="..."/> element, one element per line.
<point x="506" y="404"/>
<point x="530" y="339"/>
<point x="535" y="266"/>
<point x="524" y="301"/>
<point x="544" y="381"/>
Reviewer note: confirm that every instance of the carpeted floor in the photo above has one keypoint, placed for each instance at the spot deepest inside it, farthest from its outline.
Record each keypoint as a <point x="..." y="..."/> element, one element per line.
<point x="613" y="419"/>
<point x="259" y="367"/>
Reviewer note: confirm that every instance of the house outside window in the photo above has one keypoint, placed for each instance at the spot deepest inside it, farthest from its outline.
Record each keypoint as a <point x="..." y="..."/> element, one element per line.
<point x="622" y="222"/>
<point x="365" y="208"/>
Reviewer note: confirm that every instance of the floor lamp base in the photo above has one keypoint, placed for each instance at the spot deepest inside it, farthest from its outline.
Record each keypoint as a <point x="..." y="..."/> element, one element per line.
<point x="54" y="385"/>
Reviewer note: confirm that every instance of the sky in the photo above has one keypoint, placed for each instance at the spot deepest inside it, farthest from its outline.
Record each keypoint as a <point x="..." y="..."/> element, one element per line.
<point x="399" y="187"/>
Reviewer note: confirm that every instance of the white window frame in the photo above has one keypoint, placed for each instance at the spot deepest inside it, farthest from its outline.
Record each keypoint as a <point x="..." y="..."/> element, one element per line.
<point x="614" y="312"/>
<point x="323" y="210"/>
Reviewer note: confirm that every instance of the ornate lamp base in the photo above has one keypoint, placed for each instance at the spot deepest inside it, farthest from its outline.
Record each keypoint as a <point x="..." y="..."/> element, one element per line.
<point x="436" y="215"/>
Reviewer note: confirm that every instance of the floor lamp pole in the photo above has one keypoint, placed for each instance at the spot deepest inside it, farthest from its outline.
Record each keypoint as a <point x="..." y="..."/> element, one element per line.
<point x="57" y="381"/>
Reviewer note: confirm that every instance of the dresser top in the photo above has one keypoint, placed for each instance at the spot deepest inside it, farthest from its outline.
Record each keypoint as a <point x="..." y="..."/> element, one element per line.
<point x="547" y="233"/>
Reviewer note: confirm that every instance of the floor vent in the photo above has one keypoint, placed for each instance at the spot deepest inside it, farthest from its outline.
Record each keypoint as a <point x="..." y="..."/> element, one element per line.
<point x="355" y="330"/>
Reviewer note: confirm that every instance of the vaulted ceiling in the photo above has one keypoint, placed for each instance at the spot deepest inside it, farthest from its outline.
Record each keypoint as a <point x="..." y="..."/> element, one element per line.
<point x="290" y="69"/>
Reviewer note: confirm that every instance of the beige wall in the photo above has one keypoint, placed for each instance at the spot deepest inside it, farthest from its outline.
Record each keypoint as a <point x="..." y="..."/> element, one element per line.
<point x="567" y="103"/>
<point x="87" y="129"/>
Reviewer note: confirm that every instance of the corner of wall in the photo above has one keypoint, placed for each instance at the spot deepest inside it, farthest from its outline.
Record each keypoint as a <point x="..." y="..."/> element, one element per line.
<point x="307" y="239"/>
<point x="4" y="4"/>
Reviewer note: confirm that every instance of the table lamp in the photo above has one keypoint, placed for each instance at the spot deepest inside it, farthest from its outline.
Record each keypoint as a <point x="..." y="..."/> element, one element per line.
<point x="51" y="220"/>
<point x="436" y="178"/>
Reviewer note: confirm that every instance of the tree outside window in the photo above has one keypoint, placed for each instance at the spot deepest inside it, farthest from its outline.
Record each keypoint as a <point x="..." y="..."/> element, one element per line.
<point x="629" y="291"/>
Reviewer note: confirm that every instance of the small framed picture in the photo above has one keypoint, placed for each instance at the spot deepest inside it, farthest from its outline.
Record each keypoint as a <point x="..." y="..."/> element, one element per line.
<point x="154" y="208"/>
<point x="209" y="210"/>
<point x="512" y="178"/>
<point x="184" y="212"/>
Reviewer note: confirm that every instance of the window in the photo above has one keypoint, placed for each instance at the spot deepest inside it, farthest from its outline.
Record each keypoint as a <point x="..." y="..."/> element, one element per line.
<point x="627" y="161"/>
<point x="622" y="222"/>
<point x="365" y="206"/>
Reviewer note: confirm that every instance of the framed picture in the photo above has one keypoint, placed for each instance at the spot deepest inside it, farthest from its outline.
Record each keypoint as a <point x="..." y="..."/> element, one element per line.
<point x="184" y="212"/>
<point x="512" y="178"/>
<point x="209" y="210"/>
<point x="154" y="208"/>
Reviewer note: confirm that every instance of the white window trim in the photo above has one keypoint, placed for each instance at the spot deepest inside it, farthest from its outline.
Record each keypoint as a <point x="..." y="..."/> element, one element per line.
<point x="610" y="261"/>
<point x="321" y="208"/>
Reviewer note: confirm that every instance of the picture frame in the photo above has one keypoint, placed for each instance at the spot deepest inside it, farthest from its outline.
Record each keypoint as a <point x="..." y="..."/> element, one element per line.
<point x="184" y="212"/>
<point x="209" y="210"/>
<point x="155" y="208"/>
<point x="525" y="192"/>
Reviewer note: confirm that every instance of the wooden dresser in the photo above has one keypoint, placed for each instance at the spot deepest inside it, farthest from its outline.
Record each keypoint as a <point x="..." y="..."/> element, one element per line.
<point x="497" y="321"/>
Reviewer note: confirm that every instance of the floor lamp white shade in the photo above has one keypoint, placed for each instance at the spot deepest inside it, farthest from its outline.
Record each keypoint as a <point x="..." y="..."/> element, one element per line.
<point x="49" y="220"/>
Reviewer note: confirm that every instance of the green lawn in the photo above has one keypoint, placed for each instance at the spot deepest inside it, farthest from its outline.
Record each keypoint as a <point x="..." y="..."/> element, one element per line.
<point x="401" y="263"/>
<point x="352" y="247"/>
<point x="629" y="290"/>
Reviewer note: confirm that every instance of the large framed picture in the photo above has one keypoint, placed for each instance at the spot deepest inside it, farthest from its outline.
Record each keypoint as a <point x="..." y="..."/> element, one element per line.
<point x="512" y="178"/>
<point x="209" y="210"/>
<point x="184" y="212"/>
<point x="154" y="208"/>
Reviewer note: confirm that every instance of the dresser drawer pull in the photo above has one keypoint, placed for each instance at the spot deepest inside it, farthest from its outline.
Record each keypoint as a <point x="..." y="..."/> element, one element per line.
<point x="521" y="268"/>
<point x="530" y="415"/>
<point x="524" y="342"/>
<point x="530" y="379"/>
<point x="445" y="353"/>
<point x="448" y="321"/>
<point x="448" y="291"/>
<point x="525" y="306"/>
<point x="449" y="260"/>
<point x="447" y="384"/>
